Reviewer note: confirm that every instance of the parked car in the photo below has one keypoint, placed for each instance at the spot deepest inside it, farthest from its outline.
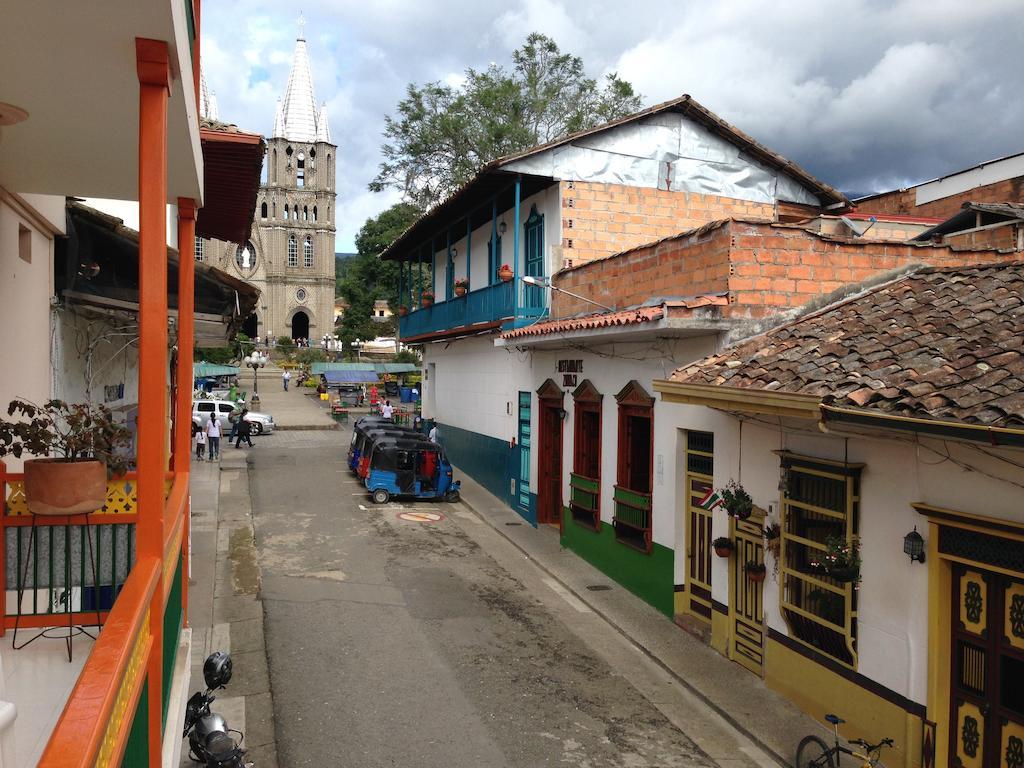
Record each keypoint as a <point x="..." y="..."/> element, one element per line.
<point x="262" y="423"/>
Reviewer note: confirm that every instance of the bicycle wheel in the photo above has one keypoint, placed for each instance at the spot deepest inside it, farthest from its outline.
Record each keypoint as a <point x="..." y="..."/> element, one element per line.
<point x="813" y="753"/>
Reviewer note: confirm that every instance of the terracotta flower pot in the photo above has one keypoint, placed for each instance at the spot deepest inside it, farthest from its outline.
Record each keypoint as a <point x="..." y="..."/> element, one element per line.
<point x="425" y="302"/>
<point x="723" y="551"/>
<point x="403" y="311"/>
<point x="57" y="487"/>
<point x="756" y="576"/>
<point x="505" y="275"/>
<point x="460" y="290"/>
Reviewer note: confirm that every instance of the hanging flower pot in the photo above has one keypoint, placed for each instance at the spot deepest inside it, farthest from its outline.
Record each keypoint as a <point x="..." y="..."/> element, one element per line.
<point x="755" y="571"/>
<point x="505" y="273"/>
<point x="427" y="300"/>
<point x="461" y="286"/>
<point x="403" y="311"/>
<point x="723" y="546"/>
<point x="736" y="500"/>
<point x="460" y="291"/>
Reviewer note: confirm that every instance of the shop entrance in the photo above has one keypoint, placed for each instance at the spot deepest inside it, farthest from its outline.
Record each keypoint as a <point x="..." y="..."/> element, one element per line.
<point x="987" y="668"/>
<point x="549" y="459"/>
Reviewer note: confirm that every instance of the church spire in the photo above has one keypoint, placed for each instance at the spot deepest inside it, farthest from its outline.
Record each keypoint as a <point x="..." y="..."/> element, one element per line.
<point x="323" y="132"/>
<point x="297" y="119"/>
<point x="207" y="99"/>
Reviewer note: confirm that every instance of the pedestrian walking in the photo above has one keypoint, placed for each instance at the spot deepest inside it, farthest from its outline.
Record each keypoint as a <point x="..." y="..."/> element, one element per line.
<point x="433" y="433"/>
<point x="244" y="430"/>
<point x="234" y="417"/>
<point x="285" y="378"/>
<point x="213" y="432"/>
<point x="200" y="438"/>
<point x="387" y="411"/>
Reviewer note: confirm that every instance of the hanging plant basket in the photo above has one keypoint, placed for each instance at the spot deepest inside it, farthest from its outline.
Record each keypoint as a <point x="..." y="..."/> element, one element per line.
<point x="736" y="500"/>
<point x="460" y="290"/>
<point x="505" y="273"/>
<point x="755" y="571"/>
<point x="427" y="300"/>
<point x="844" y="575"/>
<point x="723" y="546"/>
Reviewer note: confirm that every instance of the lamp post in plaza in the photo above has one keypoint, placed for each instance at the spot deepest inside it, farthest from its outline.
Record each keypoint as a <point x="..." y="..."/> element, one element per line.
<point x="255" y="360"/>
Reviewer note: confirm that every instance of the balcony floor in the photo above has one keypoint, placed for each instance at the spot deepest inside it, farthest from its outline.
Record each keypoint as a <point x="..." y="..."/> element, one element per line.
<point x="39" y="680"/>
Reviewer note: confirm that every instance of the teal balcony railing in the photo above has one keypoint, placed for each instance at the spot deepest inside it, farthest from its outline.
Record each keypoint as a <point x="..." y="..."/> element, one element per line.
<point x="484" y="305"/>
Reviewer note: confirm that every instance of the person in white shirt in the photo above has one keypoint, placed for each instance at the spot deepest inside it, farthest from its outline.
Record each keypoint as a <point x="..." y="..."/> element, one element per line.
<point x="387" y="411"/>
<point x="213" y="433"/>
<point x="433" y="433"/>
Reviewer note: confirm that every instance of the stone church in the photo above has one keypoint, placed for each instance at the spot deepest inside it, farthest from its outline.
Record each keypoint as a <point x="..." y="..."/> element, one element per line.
<point x="290" y="253"/>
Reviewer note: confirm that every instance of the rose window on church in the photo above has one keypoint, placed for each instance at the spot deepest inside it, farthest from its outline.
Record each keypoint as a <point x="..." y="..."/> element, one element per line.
<point x="245" y="258"/>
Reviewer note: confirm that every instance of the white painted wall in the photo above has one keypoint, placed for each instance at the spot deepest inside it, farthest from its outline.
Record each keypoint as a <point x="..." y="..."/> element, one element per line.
<point x="548" y="204"/>
<point x="26" y="285"/>
<point x="94" y="353"/>
<point x="893" y="598"/>
<point x="475" y="386"/>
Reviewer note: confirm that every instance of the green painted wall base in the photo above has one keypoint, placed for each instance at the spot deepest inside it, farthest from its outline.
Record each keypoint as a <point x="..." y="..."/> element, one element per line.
<point x="649" y="577"/>
<point x="136" y="752"/>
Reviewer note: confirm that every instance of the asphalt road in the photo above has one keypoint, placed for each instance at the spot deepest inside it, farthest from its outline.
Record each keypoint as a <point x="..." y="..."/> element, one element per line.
<point x="423" y="644"/>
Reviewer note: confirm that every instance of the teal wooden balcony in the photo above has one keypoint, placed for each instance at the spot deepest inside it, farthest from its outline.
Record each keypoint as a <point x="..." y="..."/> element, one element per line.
<point x="494" y="304"/>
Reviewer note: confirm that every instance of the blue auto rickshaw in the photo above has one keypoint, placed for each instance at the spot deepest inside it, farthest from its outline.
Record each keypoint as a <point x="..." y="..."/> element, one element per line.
<point x="414" y="468"/>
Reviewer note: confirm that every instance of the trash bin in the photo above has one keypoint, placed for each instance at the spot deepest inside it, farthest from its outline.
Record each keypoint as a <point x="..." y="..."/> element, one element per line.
<point x="406" y="394"/>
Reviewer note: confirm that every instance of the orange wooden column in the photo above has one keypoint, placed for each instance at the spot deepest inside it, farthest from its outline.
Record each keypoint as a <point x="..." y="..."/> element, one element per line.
<point x="186" y="339"/>
<point x="154" y="88"/>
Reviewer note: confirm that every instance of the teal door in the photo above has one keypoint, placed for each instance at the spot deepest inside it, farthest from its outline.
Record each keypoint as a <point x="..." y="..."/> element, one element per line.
<point x="533" y="297"/>
<point x="522" y="498"/>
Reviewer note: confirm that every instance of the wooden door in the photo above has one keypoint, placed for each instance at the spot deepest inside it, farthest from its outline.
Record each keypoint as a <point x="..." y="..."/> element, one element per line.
<point x="746" y="599"/>
<point x="987" y="712"/>
<point x="700" y="448"/>
<point x="522" y="490"/>
<point x="549" y="463"/>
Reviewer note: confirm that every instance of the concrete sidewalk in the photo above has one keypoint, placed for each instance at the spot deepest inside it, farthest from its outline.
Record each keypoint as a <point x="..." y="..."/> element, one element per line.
<point x="225" y="611"/>
<point x="770" y="721"/>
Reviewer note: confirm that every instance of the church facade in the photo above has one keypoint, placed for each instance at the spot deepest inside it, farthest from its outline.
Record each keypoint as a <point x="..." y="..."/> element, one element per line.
<point x="290" y="252"/>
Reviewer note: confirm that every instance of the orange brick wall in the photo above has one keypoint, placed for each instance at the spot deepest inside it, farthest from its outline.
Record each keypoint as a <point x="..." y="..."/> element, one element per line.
<point x="903" y="201"/>
<point x="601" y="219"/>
<point x="998" y="237"/>
<point x="764" y="268"/>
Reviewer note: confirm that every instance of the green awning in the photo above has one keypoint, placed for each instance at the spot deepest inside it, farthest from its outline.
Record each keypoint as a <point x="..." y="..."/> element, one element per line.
<point x="202" y="370"/>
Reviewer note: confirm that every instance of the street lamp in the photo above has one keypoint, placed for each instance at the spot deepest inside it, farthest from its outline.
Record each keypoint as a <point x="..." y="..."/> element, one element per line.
<point x="255" y="360"/>
<point x="542" y="282"/>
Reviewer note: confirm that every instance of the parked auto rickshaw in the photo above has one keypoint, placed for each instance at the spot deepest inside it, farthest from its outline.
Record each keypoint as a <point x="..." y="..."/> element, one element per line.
<point x="359" y="452"/>
<point x="416" y="468"/>
<point x="359" y="429"/>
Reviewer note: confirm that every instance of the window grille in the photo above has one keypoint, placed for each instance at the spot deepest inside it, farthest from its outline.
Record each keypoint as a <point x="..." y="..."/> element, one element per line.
<point x="200" y="250"/>
<point x="293" y="251"/>
<point x="820" y="501"/>
<point x="307" y="253"/>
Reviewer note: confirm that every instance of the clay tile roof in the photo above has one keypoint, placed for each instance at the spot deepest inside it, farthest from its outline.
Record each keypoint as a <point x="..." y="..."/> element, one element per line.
<point x="589" y="322"/>
<point x="939" y="343"/>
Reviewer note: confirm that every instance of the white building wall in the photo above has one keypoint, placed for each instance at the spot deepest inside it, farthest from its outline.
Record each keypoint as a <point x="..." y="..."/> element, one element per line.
<point x="27" y="229"/>
<point x="893" y="599"/>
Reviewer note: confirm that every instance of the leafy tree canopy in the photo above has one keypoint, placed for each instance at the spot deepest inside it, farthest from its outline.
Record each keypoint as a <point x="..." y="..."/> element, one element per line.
<point x="366" y="278"/>
<point x="440" y="135"/>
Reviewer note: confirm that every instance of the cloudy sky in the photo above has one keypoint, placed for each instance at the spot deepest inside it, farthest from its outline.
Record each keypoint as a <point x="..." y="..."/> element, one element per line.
<point x="867" y="95"/>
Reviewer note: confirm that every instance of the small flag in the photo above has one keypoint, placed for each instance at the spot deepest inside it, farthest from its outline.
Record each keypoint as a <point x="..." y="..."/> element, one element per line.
<point x="711" y="500"/>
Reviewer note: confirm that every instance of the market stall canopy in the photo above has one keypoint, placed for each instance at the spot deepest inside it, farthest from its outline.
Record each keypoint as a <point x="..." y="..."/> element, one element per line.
<point x="392" y="368"/>
<point x="203" y="370"/>
<point x="350" y="377"/>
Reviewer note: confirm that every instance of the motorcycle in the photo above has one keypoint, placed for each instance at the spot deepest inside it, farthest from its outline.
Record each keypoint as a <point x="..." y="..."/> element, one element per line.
<point x="210" y="740"/>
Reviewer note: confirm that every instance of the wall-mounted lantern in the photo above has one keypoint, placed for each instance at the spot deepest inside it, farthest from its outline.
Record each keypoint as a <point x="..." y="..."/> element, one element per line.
<point x="913" y="545"/>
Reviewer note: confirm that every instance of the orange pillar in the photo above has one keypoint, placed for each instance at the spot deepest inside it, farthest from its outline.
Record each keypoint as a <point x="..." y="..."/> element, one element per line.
<point x="154" y="74"/>
<point x="186" y="336"/>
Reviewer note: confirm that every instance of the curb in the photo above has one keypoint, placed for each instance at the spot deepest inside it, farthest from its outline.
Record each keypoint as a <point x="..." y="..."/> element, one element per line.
<point x="724" y="714"/>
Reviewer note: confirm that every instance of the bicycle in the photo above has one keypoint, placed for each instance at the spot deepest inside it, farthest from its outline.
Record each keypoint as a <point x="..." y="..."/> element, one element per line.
<point x="813" y="752"/>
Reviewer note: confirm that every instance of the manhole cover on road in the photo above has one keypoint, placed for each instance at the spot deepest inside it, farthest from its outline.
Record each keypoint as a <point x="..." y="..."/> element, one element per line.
<point x="421" y="517"/>
<point x="598" y="587"/>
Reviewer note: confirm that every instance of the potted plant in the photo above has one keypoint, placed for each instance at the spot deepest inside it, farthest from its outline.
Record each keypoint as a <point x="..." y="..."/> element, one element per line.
<point x="736" y="500"/>
<point x="505" y="273"/>
<point x="427" y="299"/>
<point x="403" y="311"/>
<point x="840" y="560"/>
<point x="462" y="286"/>
<point x="723" y="546"/>
<point x="772" y="537"/>
<point x="79" y="444"/>
<point x="755" y="571"/>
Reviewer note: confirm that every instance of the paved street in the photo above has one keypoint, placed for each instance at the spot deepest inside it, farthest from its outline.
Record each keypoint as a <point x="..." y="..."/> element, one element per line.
<point x="392" y="642"/>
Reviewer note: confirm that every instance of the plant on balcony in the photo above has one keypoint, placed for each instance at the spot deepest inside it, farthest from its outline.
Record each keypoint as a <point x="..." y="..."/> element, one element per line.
<point x="427" y="299"/>
<point x="403" y="311"/>
<point x="82" y="447"/>
<point x="755" y="571"/>
<point x="840" y="560"/>
<point x="505" y="273"/>
<point x="772" y="543"/>
<point x="462" y="286"/>
<point x="736" y="500"/>
<point x="723" y="546"/>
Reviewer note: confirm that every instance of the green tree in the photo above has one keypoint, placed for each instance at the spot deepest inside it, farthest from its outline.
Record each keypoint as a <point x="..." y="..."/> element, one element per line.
<point x="366" y="278"/>
<point x="440" y="136"/>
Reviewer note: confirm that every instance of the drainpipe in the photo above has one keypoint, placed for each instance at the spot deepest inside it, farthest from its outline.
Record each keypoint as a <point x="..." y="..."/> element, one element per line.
<point x="515" y="252"/>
